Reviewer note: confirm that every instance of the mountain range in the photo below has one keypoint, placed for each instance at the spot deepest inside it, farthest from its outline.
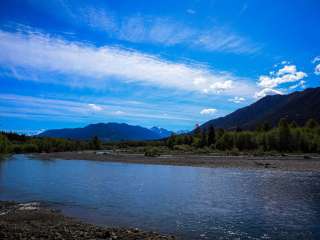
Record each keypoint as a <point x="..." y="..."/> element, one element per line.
<point x="109" y="132"/>
<point x="298" y="106"/>
<point x="163" y="133"/>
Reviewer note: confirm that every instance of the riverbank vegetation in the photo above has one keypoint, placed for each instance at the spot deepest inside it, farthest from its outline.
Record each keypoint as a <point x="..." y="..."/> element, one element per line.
<point x="16" y="143"/>
<point x="287" y="137"/>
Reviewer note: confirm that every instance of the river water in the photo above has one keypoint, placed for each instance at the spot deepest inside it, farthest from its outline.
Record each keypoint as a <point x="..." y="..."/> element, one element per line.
<point x="189" y="202"/>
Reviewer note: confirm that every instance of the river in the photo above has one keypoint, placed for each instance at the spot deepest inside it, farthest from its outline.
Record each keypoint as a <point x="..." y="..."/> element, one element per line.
<point x="189" y="202"/>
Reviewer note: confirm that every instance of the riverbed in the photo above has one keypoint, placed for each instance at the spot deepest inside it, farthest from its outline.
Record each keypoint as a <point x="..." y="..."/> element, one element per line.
<point x="292" y="162"/>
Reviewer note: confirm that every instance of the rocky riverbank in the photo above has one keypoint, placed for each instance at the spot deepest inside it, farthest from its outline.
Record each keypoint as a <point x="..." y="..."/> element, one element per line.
<point x="285" y="162"/>
<point x="35" y="221"/>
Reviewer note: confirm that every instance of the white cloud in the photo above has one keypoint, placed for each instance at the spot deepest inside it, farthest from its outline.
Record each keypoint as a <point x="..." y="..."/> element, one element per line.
<point x="316" y="59"/>
<point x="216" y="87"/>
<point x="317" y="70"/>
<point x="236" y="99"/>
<point x="221" y="86"/>
<point x="32" y="54"/>
<point x="300" y="84"/>
<point x="287" y="74"/>
<point x="285" y="62"/>
<point x="95" y="107"/>
<point x="208" y="111"/>
<point x="317" y="67"/>
<point x="119" y="112"/>
<point x="267" y="91"/>
<point x="191" y="11"/>
<point x="287" y="69"/>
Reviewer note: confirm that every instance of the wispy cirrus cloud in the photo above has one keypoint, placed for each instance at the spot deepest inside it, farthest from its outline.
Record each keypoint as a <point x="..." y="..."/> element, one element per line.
<point x="316" y="59"/>
<point x="222" y="40"/>
<point x="191" y="11"/>
<point x="119" y="112"/>
<point x="28" y="54"/>
<point x="237" y="99"/>
<point x="30" y="107"/>
<point x="95" y="107"/>
<point x="143" y="28"/>
<point x="164" y="31"/>
<point x="167" y="31"/>
<point x="98" y="19"/>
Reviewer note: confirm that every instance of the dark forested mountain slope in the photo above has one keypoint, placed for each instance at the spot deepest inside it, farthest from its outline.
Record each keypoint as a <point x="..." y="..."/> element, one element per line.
<point x="297" y="106"/>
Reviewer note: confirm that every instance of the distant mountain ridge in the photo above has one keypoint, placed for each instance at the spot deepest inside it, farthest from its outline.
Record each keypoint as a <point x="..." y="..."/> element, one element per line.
<point x="297" y="106"/>
<point x="108" y="132"/>
<point x="163" y="133"/>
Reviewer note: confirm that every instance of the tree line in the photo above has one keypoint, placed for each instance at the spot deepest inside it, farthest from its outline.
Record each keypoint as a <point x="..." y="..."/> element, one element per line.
<point x="285" y="137"/>
<point x="17" y="143"/>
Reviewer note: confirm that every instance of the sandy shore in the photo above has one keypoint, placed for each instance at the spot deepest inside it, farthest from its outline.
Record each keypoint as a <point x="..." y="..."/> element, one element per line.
<point x="291" y="162"/>
<point x="34" y="221"/>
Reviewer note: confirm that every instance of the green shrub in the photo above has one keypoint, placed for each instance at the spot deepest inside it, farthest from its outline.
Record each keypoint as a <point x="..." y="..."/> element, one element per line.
<point x="30" y="148"/>
<point x="4" y="144"/>
<point x="151" y="152"/>
<point x="16" y="148"/>
<point x="182" y="147"/>
<point x="226" y="142"/>
<point x="234" y="152"/>
<point x="245" y="141"/>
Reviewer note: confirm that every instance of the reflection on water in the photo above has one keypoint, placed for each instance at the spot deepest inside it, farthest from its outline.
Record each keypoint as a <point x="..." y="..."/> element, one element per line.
<point x="194" y="203"/>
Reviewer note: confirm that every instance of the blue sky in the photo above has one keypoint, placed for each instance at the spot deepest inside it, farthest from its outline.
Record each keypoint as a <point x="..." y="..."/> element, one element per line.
<point x="152" y="63"/>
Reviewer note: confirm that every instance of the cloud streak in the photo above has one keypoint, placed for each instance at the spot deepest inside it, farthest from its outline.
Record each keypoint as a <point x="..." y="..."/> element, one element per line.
<point x="236" y="99"/>
<point x="95" y="107"/>
<point x="221" y="40"/>
<point x="208" y="111"/>
<point x="30" y="53"/>
<point x="137" y="27"/>
<point x="167" y="31"/>
<point x="21" y="106"/>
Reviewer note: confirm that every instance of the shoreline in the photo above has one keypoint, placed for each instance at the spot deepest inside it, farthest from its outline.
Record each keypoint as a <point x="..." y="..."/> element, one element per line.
<point x="33" y="220"/>
<point x="287" y="163"/>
